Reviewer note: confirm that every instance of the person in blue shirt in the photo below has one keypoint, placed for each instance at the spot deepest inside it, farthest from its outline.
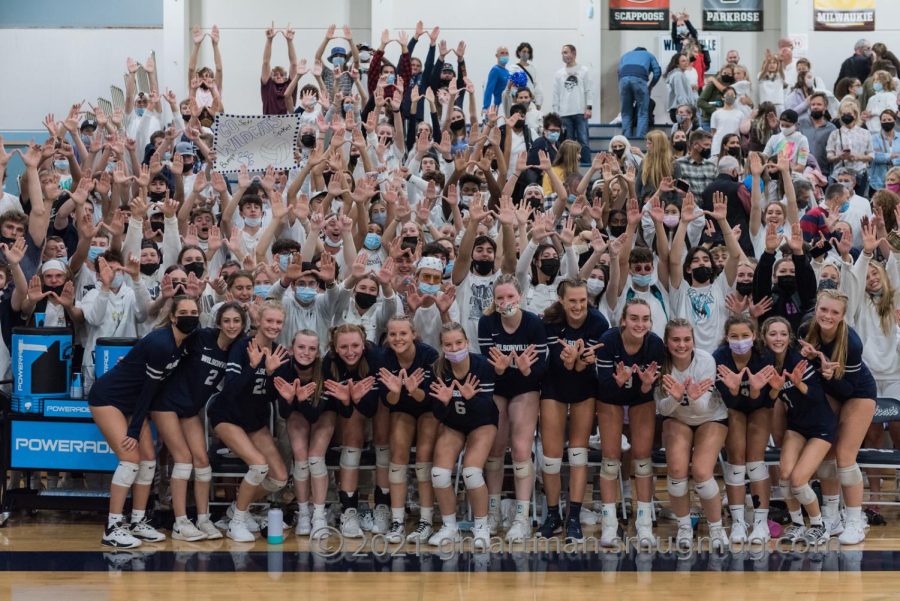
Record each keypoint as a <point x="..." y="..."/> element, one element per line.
<point x="497" y="79"/>
<point x="119" y="402"/>
<point x="636" y="67"/>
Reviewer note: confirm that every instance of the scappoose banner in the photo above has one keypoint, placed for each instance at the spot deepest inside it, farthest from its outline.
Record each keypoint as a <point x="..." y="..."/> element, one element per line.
<point x="638" y="14"/>
<point x="256" y="141"/>
<point x="844" y="15"/>
<point x="732" y="15"/>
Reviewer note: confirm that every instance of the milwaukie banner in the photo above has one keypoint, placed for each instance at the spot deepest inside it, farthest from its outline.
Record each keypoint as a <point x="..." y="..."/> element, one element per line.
<point x="732" y="15"/>
<point x="844" y="15"/>
<point x="638" y="14"/>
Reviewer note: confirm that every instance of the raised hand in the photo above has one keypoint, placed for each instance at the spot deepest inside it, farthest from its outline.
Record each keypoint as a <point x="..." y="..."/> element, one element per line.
<point x="276" y="359"/>
<point x="255" y="354"/>
<point x="731" y="379"/>
<point x="695" y="390"/>
<point x="287" y="390"/>
<point x="441" y="392"/>
<point x="360" y="389"/>
<point x="469" y="388"/>
<point x="673" y="387"/>
<point x="393" y="382"/>
<point x="413" y="381"/>
<point x="796" y="374"/>
<point x="338" y="390"/>
<point x="500" y="361"/>
<point x="623" y="374"/>
<point x="648" y="376"/>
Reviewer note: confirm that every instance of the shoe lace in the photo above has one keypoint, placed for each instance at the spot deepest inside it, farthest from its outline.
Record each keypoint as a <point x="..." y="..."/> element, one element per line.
<point x="422" y="527"/>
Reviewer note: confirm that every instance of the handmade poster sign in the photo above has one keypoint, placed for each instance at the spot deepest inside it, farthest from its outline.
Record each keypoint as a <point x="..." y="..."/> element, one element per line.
<point x="256" y="141"/>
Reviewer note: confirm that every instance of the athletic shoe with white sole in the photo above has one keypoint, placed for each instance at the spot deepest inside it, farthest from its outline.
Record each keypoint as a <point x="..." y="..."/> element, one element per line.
<point x="251" y="524"/>
<point x="645" y="535"/>
<point x="738" y="533"/>
<point x="815" y="535"/>
<point x="144" y="531"/>
<point x="396" y="534"/>
<point x="684" y="538"/>
<point x="120" y="537"/>
<point x="350" y="524"/>
<point x="795" y="533"/>
<point x="760" y="533"/>
<point x="421" y="534"/>
<point x="481" y="537"/>
<point x="186" y="531"/>
<point x="718" y="540"/>
<point x="381" y="519"/>
<point x="574" y="533"/>
<point x="209" y="529"/>
<point x="493" y="521"/>
<point x="319" y="526"/>
<point x="238" y="531"/>
<point x="444" y="535"/>
<point x="610" y="534"/>
<point x="304" y="524"/>
<point x="854" y="532"/>
<point x="519" y="532"/>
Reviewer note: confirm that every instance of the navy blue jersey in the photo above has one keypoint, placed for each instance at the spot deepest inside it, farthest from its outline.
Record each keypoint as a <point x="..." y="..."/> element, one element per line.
<point x="466" y="415"/>
<point x="857" y="381"/>
<point x="312" y="408"/>
<point x="424" y="359"/>
<point x="742" y="401"/>
<point x="332" y="364"/>
<point x="565" y="385"/>
<point x="612" y="353"/>
<point x="199" y="375"/>
<point x="134" y="381"/>
<point x="491" y="333"/>
<point x="247" y="392"/>
<point x="810" y="411"/>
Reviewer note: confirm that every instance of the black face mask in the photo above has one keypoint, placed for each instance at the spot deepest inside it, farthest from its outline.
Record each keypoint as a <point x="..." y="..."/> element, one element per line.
<point x="157" y="226"/>
<point x="847" y="119"/>
<point x="735" y="151"/>
<point x="817" y="114"/>
<point x="187" y="323"/>
<point x="458" y="125"/>
<point x="550" y="267"/>
<point x="887" y="126"/>
<point x="616" y="230"/>
<point x="7" y="241"/>
<point x="57" y="290"/>
<point x="705" y="153"/>
<point x="196" y="268"/>
<point x="536" y="203"/>
<point x="186" y="118"/>
<point x="413" y="240"/>
<point x="149" y="268"/>
<point x="679" y="146"/>
<point x="787" y="284"/>
<point x="179" y="289"/>
<point x="308" y="140"/>
<point x="519" y="126"/>
<point x="827" y="284"/>
<point x="774" y="175"/>
<point x="727" y="79"/>
<point x="701" y="274"/>
<point x="619" y="152"/>
<point x="364" y="300"/>
<point x="483" y="267"/>
<point x="157" y="196"/>
<point x="744" y="288"/>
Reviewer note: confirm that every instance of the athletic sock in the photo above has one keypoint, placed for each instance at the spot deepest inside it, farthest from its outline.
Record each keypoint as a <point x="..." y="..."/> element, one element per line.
<point x="398" y="514"/>
<point x="737" y="513"/>
<point x="797" y="517"/>
<point x="114" y="518"/>
<point x="760" y="516"/>
<point x="426" y="514"/>
<point x="522" y="510"/>
<point x="137" y="515"/>
<point x="574" y="512"/>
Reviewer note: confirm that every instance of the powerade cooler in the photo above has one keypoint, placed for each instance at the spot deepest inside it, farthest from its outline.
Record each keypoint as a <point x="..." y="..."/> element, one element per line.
<point x="110" y="351"/>
<point x="42" y="366"/>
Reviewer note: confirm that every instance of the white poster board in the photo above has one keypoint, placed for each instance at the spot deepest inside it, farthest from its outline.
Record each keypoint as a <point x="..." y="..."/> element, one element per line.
<point x="256" y="141"/>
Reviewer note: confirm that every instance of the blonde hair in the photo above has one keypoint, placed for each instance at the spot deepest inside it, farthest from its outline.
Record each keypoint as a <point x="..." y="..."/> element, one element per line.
<point x="884" y="305"/>
<point x="362" y="368"/>
<point x="658" y="162"/>
<point x="852" y="106"/>
<point x="841" y="336"/>
<point x="568" y="157"/>
<point x="886" y="80"/>
<point x="678" y="322"/>
<point x="316" y="366"/>
<point x="505" y="278"/>
<point x="441" y="365"/>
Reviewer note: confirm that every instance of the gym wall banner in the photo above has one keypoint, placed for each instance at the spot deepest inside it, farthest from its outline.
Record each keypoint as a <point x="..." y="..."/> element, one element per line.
<point x="732" y="15"/>
<point x="844" y="15"/>
<point x="638" y="14"/>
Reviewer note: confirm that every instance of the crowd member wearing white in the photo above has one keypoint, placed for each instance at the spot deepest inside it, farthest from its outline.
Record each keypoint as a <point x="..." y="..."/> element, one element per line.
<point x="431" y="302"/>
<point x="305" y="306"/>
<point x="850" y="145"/>
<point x="725" y="120"/>
<point x="367" y="299"/>
<point x="782" y="216"/>
<point x="639" y="273"/>
<point x="694" y="428"/>
<point x="789" y="141"/>
<point x="884" y="98"/>
<point x="539" y="269"/>
<point x="525" y="54"/>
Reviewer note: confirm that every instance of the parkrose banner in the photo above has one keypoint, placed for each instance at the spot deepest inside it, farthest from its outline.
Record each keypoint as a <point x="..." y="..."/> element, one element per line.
<point x="732" y="15"/>
<point x="844" y="15"/>
<point x="638" y="14"/>
<point x="256" y="141"/>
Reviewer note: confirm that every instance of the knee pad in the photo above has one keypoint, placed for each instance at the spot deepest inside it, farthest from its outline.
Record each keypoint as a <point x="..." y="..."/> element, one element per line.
<point x="827" y="470"/>
<point x="440" y="477"/>
<point x="643" y="468"/>
<point x="145" y="473"/>
<point x="785" y="487"/>
<point x="609" y="469"/>
<point x="317" y="467"/>
<point x="494" y="464"/>
<point x="756" y="471"/>
<point x="552" y="465"/>
<point x="272" y="485"/>
<point x="734" y="474"/>
<point x="473" y="477"/>
<point x="423" y="471"/>
<point x="397" y="473"/>
<point x="300" y="471"/>
<point x="523" y="470"/>
<point x="182" y="471"/>
<point x="382" y="457"/>
<point x="708" y="489"/>
<point x="125" y="474"/>
<point x="256" y="474"/>
<point x="850" y="475"/>
<point x="203" y="474"/>
<point x="677" y="487"/>
<point x="578" y="456"/>
<point x="804" y="493"/>
<point x="350" y="457"/>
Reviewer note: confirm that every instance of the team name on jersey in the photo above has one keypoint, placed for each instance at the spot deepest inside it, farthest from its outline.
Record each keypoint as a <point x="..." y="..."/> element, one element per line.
<point x="214" y="362"/>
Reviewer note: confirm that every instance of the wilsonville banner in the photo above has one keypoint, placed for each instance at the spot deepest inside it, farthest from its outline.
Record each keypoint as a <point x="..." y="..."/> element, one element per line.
<point x="732" y="15"/>
<point x="844" y="15"/>
<point x="638" y="14"/>
<point x="256" y="141"/>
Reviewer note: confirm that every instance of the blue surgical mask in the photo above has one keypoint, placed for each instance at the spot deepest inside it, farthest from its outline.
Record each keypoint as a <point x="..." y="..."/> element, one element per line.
<point x="372" y="241"/>
<point x="63" y="260"/>
<point x="338" y="61"/>
<point x="877" y="86"/>
<point x="86" y="139"/>
<point x="95" y="251"/>
<point x="740" y="347"/>
<point x="283" y="261"/>
<point x="167" y="156"/>
<point x="60" y="164"/>
<point x="682" y="30"/>
<point x="391" y="79"/>
<point x="117" y="281"/>
<point x="844" y="207"/>
<point x="379" y="218"/>
<point x="448" y="269"/>
<point x="642" y="279"/>
<point x="305" y="295"/>
<point x="252" y="221"/>
<point x="504" y="60"/>
<point x="553" y="136"/>
<point x="348" y="108"/>
<point x="139" y="112"/>
<point x="571" y="198"/>
<point x="261" y="290"/>
<point x="429" y="288"/>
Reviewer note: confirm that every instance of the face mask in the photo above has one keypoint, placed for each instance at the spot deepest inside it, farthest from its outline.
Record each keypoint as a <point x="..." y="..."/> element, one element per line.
<point x="338" y="61"/>
<point x="671" y="221"/>
<point x="364" y="300"/>
<point x="503" y="60"/>
<point x="57" y="290"/>
<point x="187" y="323"/>
<point x="93" y="252"/>
<point x="550" y="267"/>
<point x="431" y="289"/>
<point x="893" y="187"/>
<point x="735" y="151"/>
<point x="706" y="153"/>
<point x="458" y="125"/>
<point x="457" y="356"/>
<point x="619" y="152"/>
<point x="682" y="30"/>
<point x="843" y="208"/>
<point x="571" y="198"/>
<point x="149" y="268"/>
<point x="308" y="140"/>
<point x="616" y="230"/>
<point x="391" y="79"/>
<point x="157" y="197"/>
<point x="411" y="240"/>
<point x="595" y="286"/>
<point x="788" y="130"/>
<point x="524" y="55"/>
<point x="877" y="86"/>
<point x="508" y="310"/>
<point x="810" y="82"/>
<point x="679" y="146"/>
<point x="372" y="241"/>
<point x="816" y="114"/>
<point x="63" y="260"/>
<point x="261" y="290"/>
<point x="744" y="288"/>
<point x="348" y="108"/>
<point x="740" y="347"/>
<point x="60" y="164"/>
<point x="139" y="112"/>
<point x="196" y="268"/>
<point x="305" y="295"/>
<point x="847" y="119"/>
<point x="379" y="218"/>
<point x="465" y="201"/>
<point x="701" y="274"/>
<point x="787" y="283"/>
<point x="365" y="56"/>
<point x="642" y="280"/>
<point x="729" y="100"/>
<point x="727" y="79"/>
<point x="681" y="118"/>
<point x="448" y="270"/>
<point x="483" y="267"/>
<point x="827" y="284"/>
<point x="252" y="221"/>
<point x="887" y="126"/>
<point x="117" y="281"/>
<point x="86" y="139"/>
<point x="333" y="243"/>
<point x="520" y="125"/>
<point x="553" y="136"/>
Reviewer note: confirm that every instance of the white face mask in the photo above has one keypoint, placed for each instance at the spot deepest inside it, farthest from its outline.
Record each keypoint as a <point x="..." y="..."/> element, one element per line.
<point x="788" y="130"/>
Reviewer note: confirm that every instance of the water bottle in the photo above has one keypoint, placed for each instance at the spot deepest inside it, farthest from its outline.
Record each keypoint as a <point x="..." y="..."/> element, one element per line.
<point x="76" y="391"/>
<point x="275" y="526"/>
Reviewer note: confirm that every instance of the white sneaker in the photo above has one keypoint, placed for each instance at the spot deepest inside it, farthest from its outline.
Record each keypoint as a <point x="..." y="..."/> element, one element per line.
<point x="209" y="529"/>
<point x="718" y="540"/>
<point x="397" y="533"/>
<point x="645" y="535"/>
<point x="834" y="525"/>
<point x="684" y="538"/>
<point x="187" y="531"/>
<point x="381" y="519"/>
<point x="493" y="521"/>
<point x="304" y="524"/>
<point x="519" y="531"/>
<point x="239" y="532"/>
<point x="481" y="537"/>
<point x="854" y="532"/>
<point x="444" y="535"/>
<point x="350" y="524"/>
<point x="251" y="524"/>
<point x="144" y="531"/>
<point x="794" y="533"/>
<point x="738" y="533"/>
<point x="421" y="534"/>
<point x="118" y="536"/>
<point x="760" y="533"/>
<point x="609" y="534"/>
<point x="319" y="526"/>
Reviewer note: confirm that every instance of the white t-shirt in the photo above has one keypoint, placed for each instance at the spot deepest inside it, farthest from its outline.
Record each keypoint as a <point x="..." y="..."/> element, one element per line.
<point x="707" y="408"/>
<point x="473" y="296"/>
<point x="704" y="308"/>
<point x="724" y="122"/>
